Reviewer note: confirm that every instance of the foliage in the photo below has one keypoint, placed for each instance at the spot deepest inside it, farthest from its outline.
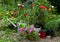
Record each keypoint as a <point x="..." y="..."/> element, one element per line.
<point x="33" y="36"/>
<point x="35" y="11"/>
<point x="30" y="35"/>
<point x="53" y="23"/>
<point x="43" y="30"/>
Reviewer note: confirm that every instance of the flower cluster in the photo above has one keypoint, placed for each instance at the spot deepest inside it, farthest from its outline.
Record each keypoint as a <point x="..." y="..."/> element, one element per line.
<point x="25" y="29"/>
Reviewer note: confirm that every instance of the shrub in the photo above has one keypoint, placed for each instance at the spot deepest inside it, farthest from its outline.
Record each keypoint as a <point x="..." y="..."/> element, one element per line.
<point x="53" y="24"/>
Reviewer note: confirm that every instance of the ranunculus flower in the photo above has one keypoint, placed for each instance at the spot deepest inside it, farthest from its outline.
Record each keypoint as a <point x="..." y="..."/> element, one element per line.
<point x="42" y="7"/>
<point x="24" y="14"/>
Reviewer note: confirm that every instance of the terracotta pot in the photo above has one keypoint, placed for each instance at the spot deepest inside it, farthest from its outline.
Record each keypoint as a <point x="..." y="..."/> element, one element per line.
<point x="42" y="35"/>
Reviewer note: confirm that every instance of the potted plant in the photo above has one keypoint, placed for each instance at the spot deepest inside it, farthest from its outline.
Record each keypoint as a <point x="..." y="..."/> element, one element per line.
<point x="38" y="26"/>
<point x="42" y="33"/>
<point x="29" y="33"/>
<point x="49" y="33"/>
<point x="33" y="36"/>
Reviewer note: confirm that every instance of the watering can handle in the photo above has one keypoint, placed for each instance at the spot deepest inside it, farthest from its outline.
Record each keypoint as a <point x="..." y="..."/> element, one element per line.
<point x="11" y="22"/>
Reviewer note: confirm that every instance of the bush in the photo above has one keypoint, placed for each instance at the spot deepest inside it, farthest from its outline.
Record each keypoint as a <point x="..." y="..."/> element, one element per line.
<point x="53" y="24"/>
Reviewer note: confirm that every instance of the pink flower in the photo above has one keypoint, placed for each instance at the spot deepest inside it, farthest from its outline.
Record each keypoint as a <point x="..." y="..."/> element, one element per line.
<point x="25" y="28"/>
<point x="30" y="31"/>
<point x="31" y="28"/>
<point x="21" y="29"/>
<point x="42" y="7"/>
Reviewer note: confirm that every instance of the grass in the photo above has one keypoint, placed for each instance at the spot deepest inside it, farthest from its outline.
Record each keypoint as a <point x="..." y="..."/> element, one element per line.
<point x="8" y="35"/>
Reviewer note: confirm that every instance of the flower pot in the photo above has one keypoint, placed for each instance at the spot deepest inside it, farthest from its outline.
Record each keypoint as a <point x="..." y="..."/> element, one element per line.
<point x="37" y="29"/>
<point x="10" y="26"/>
<point x="42" y="35"/>
<point x="49" y="33"/>
<point x="38" y="25"/>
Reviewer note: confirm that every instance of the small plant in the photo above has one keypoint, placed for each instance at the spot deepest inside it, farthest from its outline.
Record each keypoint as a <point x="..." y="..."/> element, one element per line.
<point x="29" y="33"/>
<point x="32" y="36"/>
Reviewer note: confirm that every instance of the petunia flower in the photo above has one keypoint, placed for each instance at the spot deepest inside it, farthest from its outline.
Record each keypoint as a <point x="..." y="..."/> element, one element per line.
<point x="25" y="29"/>
<point x="30" y="31"/>
<point x="31" y="28"/>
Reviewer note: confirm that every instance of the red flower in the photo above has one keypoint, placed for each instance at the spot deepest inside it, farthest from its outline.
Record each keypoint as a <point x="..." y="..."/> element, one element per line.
<point x="42" y="34"/>
<point x="15" y="13"/>
<point x="32" y="4"/>
<point x="42" y="7"/>
<point x="24" y="14"/>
